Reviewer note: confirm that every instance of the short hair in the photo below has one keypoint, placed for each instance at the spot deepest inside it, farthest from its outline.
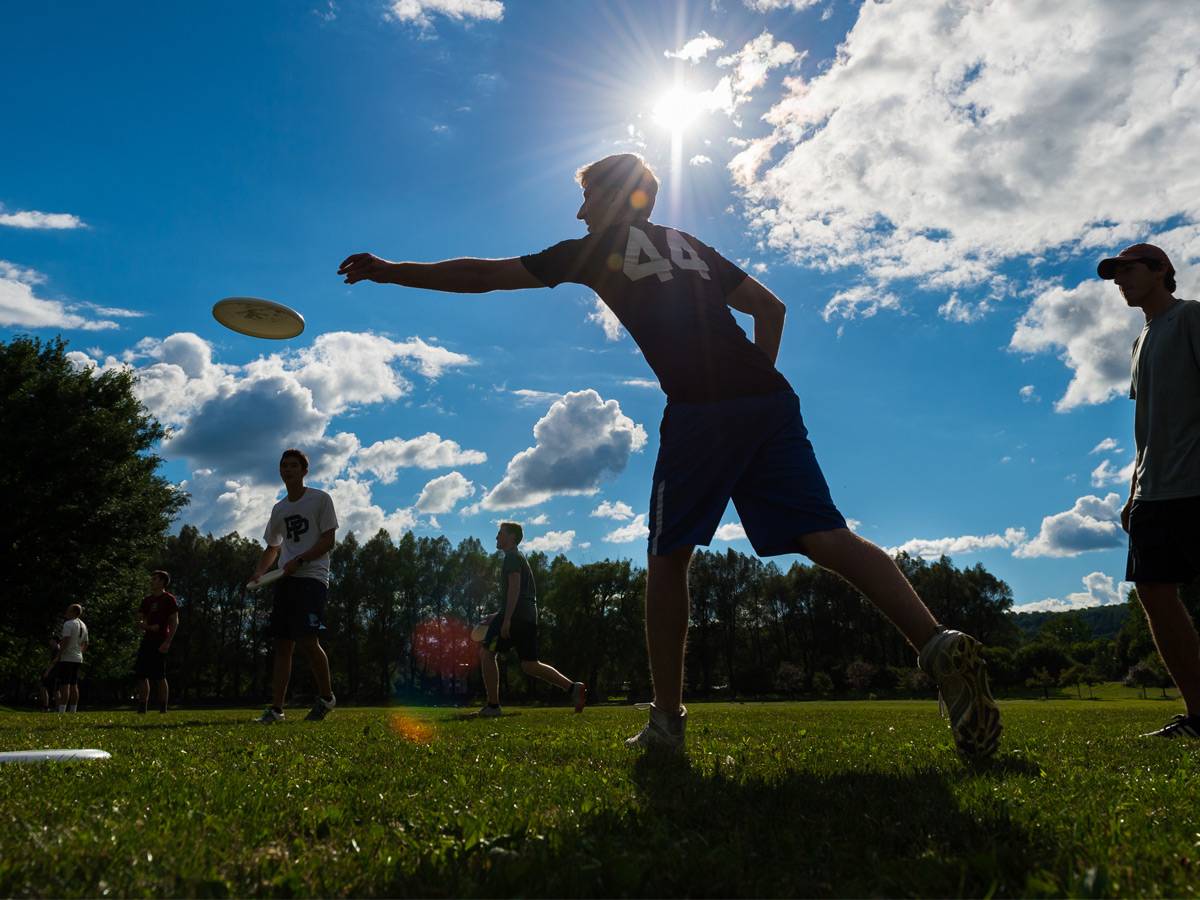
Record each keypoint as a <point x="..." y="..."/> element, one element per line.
<point x="297" y="454"/>
<point x="1168" y="279"/>
<point x="627" y="173"/>
<point x="514" y="529"/>
<point x="164" y="577"/>
<point x="74" y="611"/>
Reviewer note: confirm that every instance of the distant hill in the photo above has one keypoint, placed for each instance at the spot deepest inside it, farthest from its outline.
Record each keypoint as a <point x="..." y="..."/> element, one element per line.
<point x="1105" y="621"/>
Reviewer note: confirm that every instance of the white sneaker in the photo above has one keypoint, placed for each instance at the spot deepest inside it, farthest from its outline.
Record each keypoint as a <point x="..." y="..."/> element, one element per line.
<point x="489" y="712"/>
<point x="269" y="717"/>
<point x="955" y="662"/>
<point x="321" y="708"/>
<point x="662" y="732"/>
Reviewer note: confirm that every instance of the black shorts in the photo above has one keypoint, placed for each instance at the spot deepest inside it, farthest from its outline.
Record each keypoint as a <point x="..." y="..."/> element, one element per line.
<point x="1164" y="541"/>
<point x="150" y="662"/>
<point x="67" y="672"/>
<point x="522" y="637"/>
<point x="299" y="608"/>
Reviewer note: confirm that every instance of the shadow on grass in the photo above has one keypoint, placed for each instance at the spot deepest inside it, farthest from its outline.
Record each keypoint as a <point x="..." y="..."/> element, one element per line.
<point x="155" y="723"/>
<point x="717" y="834"/>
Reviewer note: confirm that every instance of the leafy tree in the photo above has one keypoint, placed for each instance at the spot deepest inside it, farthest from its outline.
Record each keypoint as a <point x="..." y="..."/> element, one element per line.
<point x="1159" y="676"/>
<point x="822" y="684"/>
<point x="1041" y="679"/>
<point x="859" y="675"/>
<point x="789" y="679"/>
<point x="1066" y="629"/>
<point x="1140" y="675"/>
<point x="85" y="508"/>
<point x="1073" y="677"/>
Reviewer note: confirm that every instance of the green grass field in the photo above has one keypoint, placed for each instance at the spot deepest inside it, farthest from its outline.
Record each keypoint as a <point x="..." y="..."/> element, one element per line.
<point x="822" y="799"/>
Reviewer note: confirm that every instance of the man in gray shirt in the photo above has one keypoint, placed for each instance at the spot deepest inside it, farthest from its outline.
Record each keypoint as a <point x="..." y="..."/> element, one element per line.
<point x="1162" y="514"/>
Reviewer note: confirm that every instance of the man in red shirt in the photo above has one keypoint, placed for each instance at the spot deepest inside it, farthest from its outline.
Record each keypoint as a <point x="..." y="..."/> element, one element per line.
<point x="160" y="623"/>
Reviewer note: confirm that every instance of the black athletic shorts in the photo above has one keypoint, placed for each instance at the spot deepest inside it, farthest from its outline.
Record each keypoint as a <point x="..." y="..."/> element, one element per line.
<point x="1164" y="541"/>
<point x="522" y="637"/>
<point x="150" y="662"/>
<point x="67" y="672"/>
<point x="299" y="608"/>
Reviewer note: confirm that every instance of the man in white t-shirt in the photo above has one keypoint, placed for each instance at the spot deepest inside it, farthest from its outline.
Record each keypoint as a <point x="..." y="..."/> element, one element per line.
<point x="300" y="534"/>
<point x="73" y="642"/>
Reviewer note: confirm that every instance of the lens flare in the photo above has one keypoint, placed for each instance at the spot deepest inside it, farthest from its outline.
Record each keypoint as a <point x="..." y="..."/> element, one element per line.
<point x="412" y="730"/>
<point x="442" y="646"/>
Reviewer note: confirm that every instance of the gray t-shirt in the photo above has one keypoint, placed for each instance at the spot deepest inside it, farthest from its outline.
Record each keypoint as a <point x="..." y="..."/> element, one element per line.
<point x="1165" y="386"/>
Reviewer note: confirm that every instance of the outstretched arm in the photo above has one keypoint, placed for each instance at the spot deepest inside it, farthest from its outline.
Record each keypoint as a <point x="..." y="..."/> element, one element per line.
<point x="754" y="298"/>
<point x="460" y="276"/>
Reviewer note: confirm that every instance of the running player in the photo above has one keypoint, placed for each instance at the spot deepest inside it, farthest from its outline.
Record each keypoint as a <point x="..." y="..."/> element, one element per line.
<point x="160" y="624"/>
<point x="300" y="534"/>
<point x="731" y="429"/>
<point x="515" y="626"/>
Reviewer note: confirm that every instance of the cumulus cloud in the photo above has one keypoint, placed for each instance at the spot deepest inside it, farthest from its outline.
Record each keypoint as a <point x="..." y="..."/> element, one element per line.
<point x="442" y="494"/>
<point x="357" y="512"/>
<point x="749" y="68"/>
<point x="635" y="530"/>
<point x="1106" y="474"/>
<point x="945" y="141"/>
<point x="861" y="301"/>
<point x="550" y="542"/>
<point x="539" y="519"/>
<point x="1093" y="523"/>
<point x="580" y="440"/>
<point x="32" y="219"/>
<point x="960" y="546"/>
<point x="700" y="160"/>
<point x="220" y="504"/>
<point x="730" y="531"/>
<point x="607" y="320"/>
<point x="421" y="12"/>
<point x="21" y="307"/>
<point x="1091" y="330"/>
<point x="696" y="49"/>
<point x="607" y="510"/>
<point x="1029" y="394"/>
<point x="1105" y="446"/>
<point x="384" y="459"/>
<point x="1099" y="590"/>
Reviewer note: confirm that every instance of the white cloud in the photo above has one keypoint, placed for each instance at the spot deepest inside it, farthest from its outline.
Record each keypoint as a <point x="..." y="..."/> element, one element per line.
<point x="421" y="12"/>
<point x="1105" y="446"/>
<point x="1029" y="394"/>
<point x="357" y="512"/>
<point x="696" y="49"/>
<point x="539" y="519"/>
<point x="1091" y="524"/>
<point x="749" y="68"/>
<point x="384" y="459"/>
<point x="637" y="529"/>
<point x="220" y="504"/>
<point x="771" y="5"/>
<point x="619" y="511"/>
<point x="20" y="307"/>
<point x="863" y="301"/>
<point x="1092" y="331"/>
<point x="550" y="542"/>
<point x="944" y="141"/>
<point x="1099" y="590"/>
<point x="854" y="524"/>
<point x="960" y="546"/>
<point x="731" y="531"/>
<point x="580" y="440"/>
<point x="1105" y="474"/>
<point x="957" y="310"/>
<point x="528" y="397"/>
<point x="39" y="220"/>
<point x="606" y="319"/>
<point x="648" y="383"/>
<point x="700" y="160"/>
<point x="442" y="494"/>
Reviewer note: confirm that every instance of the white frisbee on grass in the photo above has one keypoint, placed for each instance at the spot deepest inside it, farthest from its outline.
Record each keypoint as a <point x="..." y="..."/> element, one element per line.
<point x="258" y="318"/>
<point x="264" y="579"/>
<point x="17" y="756"/>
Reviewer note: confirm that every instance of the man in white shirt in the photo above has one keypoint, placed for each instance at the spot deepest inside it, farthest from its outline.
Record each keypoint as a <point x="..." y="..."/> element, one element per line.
<point x="73" y="642"/>
<point x="300" y="534"/>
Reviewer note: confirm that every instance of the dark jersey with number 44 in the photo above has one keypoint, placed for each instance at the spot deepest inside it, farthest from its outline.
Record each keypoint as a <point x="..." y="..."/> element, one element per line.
<point x="668" y="290"/>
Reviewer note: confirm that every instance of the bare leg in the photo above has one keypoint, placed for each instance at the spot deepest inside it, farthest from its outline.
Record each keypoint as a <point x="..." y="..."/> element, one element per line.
<point x="666" y="625"/>
<point x="319" y="663"/>
<point x="877" y="576"/>
<point x="143" y="691"/>
<point x="491" y="675"/>
<point x="282" y="671"/>
<point x="164" y="692"/>
<point x="546" y="673"/>
<point x="1175" y="637"/>
<point x="74" y="696"/>
<point x="45" y="697"/>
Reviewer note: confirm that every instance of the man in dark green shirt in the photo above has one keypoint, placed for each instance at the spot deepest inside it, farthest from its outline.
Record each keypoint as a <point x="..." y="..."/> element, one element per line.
<point x="515" y="626"/>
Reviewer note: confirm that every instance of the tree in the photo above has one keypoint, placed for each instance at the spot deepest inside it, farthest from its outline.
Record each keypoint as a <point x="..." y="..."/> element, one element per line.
<point x="822" y="683"/>
<point x="85" y="508"/>
<point x="1140" y="675"/>
<point x="1073" y="677"/>
<point x="1041" y="679"/>
<point x="789" y="679"/>
<point x="859" y="675"/>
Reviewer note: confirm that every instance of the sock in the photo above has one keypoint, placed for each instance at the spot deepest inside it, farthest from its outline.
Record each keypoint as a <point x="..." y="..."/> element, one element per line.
<point x="278" y="709"/>
<point x="74" y="708"/>
<point x="62" y="707"/>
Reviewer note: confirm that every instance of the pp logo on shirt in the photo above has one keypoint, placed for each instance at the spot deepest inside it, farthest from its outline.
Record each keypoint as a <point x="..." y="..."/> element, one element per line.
<point x="296" y="526"/>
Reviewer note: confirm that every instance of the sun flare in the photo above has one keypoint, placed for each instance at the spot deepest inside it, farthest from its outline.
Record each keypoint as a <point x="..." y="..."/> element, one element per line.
<point x="678" y="109"/>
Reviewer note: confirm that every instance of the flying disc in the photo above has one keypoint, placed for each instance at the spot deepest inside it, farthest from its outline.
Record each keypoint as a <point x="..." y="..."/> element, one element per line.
<point x="265" y="579"/>
<point x="51" y="755"/>
<point x="258" y="318"/>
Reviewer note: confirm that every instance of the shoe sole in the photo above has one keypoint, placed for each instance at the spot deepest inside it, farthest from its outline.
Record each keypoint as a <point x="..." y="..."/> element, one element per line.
<point x="977" y="731"/>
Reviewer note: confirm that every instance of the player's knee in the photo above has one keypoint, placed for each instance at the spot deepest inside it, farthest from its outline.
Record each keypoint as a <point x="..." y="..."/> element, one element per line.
<point x="820" y="546"/>
<point x="530" y="667"/>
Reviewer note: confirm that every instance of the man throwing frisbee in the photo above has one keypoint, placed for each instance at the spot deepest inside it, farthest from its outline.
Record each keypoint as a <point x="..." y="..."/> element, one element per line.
<point x="300" y="535"/>
<point x="731" y="430"/>
<point x="515" y="626"/>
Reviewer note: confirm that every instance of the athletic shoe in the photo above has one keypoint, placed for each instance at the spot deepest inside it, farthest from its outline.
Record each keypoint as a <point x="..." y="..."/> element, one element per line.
<point x="489" y="712"/>
<point x="269" y="717"/>
<point x="1179" y="726"/>
<point x="662" y="732"/>
<point x="321" y="708"/>
<point x="579" y="695"/>
<point x="955" y="662"/>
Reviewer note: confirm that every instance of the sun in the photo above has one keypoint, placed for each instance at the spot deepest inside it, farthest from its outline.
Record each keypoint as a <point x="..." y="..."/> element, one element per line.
<point x="678" y="109"/>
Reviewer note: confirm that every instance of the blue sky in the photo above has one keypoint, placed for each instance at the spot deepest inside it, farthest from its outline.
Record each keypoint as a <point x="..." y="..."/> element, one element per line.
<point x="928" y="189"/>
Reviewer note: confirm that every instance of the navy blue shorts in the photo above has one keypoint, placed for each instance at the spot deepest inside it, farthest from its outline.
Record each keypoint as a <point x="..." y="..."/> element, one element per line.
<point x="754" y="450"/>
<point x="299" y="608"/>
